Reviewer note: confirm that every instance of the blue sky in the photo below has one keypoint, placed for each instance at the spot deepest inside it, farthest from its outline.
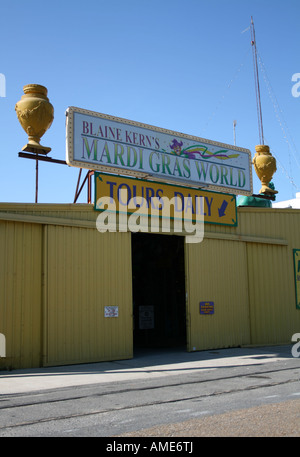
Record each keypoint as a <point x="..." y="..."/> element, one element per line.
<point x="183" y="65"/>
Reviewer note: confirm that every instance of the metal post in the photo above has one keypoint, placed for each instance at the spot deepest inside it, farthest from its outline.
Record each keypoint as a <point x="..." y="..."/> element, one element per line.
<point x="257" y="88"/>
<point x="90" y="173"/>
<point x="78" y="181"/>
<point x="36" y="178"/>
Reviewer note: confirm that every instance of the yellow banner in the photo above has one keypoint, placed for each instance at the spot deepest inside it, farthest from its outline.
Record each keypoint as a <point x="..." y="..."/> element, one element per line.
<point x="129" y="194"/>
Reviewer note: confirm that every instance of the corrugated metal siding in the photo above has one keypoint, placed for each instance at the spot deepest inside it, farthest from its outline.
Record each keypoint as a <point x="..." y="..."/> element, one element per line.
<point x="270" y="236"/>
<point x="271" y="294"/>
<point x="86" y="271"/>
<point x="20" y="293"/>
<point x="274" y="317"/>
<point x="217" y="272"/>
<point x="57" y="273"/>
<point x="58" y="214"/>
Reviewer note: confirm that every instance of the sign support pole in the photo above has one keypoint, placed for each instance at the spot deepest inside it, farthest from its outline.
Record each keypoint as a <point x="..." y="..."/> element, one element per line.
<point x="36" y="178"/>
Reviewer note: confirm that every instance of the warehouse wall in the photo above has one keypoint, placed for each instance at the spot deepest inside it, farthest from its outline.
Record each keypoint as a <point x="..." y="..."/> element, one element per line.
<point x="58" y="273"/>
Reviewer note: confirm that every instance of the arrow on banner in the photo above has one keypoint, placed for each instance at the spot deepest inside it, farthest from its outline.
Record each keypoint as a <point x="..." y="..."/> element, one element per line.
<point x="223" y="208"/>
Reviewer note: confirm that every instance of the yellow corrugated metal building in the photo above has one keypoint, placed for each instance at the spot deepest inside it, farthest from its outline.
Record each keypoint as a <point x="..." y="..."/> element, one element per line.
<point x="60" y="278"/>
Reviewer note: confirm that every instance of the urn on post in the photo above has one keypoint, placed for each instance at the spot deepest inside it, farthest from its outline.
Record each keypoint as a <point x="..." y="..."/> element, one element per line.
<point x="35" y="114"/>
<point x="265" y="166"/>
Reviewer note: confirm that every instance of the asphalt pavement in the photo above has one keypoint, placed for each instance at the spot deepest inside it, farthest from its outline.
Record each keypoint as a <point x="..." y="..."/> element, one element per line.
<point x="145" y="365"/>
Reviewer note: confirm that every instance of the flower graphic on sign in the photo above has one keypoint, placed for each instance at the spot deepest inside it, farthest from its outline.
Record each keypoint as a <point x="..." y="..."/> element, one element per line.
<point x="199" y="152"/>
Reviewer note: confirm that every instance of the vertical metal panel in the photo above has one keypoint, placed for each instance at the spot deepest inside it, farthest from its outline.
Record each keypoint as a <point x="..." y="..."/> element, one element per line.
<point x="272" y="303"/>
<point x="87" y="271"/>
<point x="273" y="314"/>
<point x="274" y="318"/>
<point x="20" y="293"/>
<point x="217" y="272"/>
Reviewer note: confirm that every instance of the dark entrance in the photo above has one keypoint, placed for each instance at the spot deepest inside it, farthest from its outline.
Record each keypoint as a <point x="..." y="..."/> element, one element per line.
<point x="158" y="291"/>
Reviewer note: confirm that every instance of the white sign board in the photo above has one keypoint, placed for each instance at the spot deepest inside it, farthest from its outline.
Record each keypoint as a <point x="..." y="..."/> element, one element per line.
<point x="111" y="311"/>
<point x="101" y="142"/>
<point x="2" y="345"/>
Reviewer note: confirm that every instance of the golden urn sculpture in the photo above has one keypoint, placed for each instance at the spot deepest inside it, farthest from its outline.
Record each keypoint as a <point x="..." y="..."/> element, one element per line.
<point x="35" y="114"/>
<point x="265" y="166"/>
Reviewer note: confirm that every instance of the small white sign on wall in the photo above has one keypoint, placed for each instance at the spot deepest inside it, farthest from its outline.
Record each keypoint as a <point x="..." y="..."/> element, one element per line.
<point x="2" y="345"/>
<point x="111" y="311"/>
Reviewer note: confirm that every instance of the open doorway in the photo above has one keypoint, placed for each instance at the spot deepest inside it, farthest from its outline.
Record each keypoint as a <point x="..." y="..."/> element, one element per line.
<point x="159" y="305"/>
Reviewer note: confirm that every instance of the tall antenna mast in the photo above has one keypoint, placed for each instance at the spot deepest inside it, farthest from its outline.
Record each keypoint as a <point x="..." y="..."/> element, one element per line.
<point x="234" y="137"/>
<point x="256" y="79"/>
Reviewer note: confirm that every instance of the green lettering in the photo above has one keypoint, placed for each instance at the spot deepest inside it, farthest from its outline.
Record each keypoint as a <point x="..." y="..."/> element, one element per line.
<point x="129" y="149"/>
<point x="231" y="177"/>
<point x="241" y="178"/>
<point x="177" y="168"/>
<point x="157" y="167"/>
<point x="214" y="173"/>
<point x="166" y="164"/>
<point x="202" y="171"/>
<point x="186" y="166"/>
<point x="141" y="159"/>
<point x="86" y="147"/>
<point x="119" y="155"/>
<point x="105" y="154"/>
<point x="224" y="172"/>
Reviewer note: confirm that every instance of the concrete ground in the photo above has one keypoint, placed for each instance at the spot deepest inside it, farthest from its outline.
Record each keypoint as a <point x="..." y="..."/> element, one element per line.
<point x="145" y="365"/>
